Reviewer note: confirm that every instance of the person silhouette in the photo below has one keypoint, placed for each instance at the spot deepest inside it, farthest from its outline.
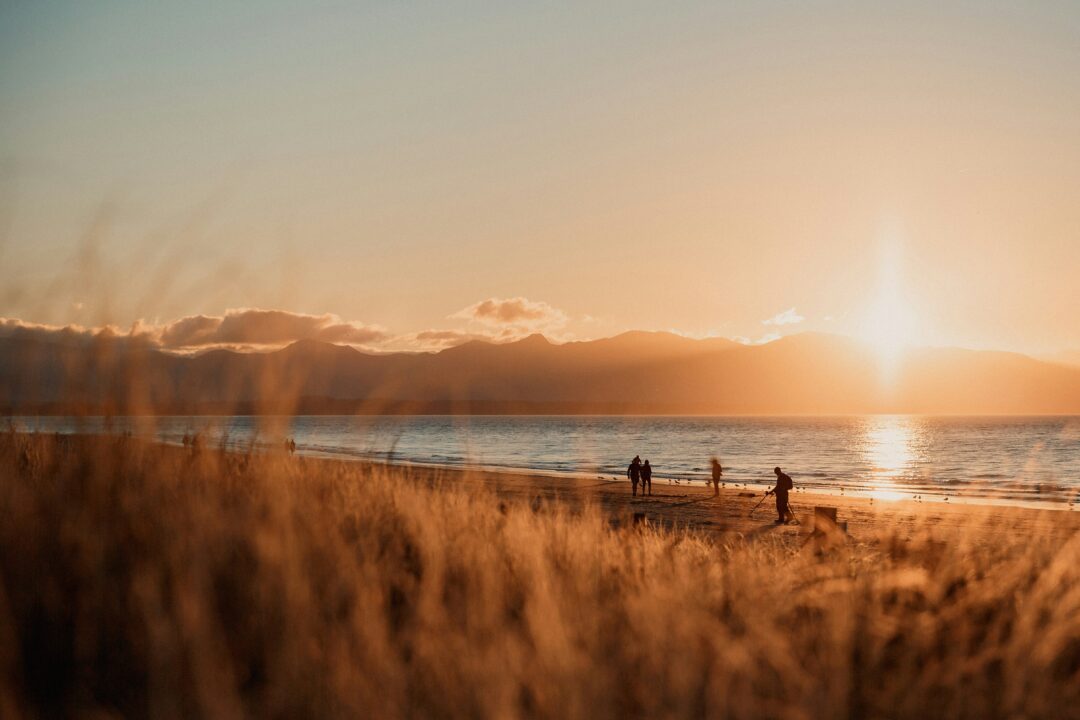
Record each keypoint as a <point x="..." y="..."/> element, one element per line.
<point x="717" y="473"/>
<point x="634" y="473"/>
<point x="646" y="477"/>
<point x="783" y="485"/>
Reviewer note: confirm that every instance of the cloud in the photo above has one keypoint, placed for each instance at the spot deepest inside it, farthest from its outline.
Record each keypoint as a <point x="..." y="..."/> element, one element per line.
<point x="512" y="311"/>
<point x="75" y="334"/>
<point x="494" y="320"/>
<point x="766" y="338"/>
<point x="787" y="317"/>
<point x="10" y="327"/>
<point x="695" y="334"/>
<point x="511" y="318"/>
<point x="190" y="331"/>
<point x="266" y="327"/>
<point x="242" y="328"/>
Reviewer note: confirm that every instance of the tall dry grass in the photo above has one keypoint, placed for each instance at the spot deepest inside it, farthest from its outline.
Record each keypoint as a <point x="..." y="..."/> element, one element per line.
<point x="145" y="581"/>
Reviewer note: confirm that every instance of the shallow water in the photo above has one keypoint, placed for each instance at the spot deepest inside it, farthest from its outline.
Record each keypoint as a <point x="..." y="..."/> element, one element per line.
<point x="1014" y="459"/>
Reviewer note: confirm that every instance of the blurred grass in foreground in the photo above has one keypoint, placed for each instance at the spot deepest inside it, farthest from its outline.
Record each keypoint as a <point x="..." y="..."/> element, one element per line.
<point x="144" y="580"/>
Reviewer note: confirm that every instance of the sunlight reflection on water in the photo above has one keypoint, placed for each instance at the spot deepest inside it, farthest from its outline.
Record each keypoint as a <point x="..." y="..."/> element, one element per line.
<point x="889" y="446"/>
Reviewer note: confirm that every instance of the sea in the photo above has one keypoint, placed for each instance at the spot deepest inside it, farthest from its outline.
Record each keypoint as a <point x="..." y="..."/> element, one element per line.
<point x="1015" y="460"/>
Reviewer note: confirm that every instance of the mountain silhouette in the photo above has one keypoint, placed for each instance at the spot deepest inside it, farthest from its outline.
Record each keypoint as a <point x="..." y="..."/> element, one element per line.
<point x="635" y="372"/>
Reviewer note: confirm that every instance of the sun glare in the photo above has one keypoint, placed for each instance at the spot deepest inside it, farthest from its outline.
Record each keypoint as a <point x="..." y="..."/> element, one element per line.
<point x="888" y="323"/>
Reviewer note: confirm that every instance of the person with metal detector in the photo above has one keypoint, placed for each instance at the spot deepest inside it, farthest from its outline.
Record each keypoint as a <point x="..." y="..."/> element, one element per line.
<point x="783" y="486"/>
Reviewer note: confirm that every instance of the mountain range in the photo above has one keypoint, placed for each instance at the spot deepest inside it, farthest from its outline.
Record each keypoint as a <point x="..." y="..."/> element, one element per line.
<point x="632" y="373"/>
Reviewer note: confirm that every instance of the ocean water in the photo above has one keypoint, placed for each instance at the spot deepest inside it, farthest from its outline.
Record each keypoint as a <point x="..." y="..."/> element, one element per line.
<point x="1010" y="459"/>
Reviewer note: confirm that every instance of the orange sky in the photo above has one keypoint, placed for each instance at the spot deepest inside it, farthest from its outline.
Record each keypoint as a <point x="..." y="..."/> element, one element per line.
<point x="903" y="172"/>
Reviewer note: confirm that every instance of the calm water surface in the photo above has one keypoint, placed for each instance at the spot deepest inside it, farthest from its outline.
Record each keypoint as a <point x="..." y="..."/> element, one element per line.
<point x="1014" y="459"/>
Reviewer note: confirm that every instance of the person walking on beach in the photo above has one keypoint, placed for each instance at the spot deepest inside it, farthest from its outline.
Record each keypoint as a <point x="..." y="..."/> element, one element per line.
<point x="717" y="473"/>
<point x="646" y="477"/>
<point x="634" y="473"/>
<point x="783" y="485"/>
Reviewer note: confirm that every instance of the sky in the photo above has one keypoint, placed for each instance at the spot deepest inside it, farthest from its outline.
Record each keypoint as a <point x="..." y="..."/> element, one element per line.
<point x="408" y="175"/>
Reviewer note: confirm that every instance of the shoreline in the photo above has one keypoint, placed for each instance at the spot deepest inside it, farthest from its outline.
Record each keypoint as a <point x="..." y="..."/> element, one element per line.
<point x="883" y="496"/>
<point x="832" y="470"/>
<point x="729" y="514"/>
<point x="695" y="506"/>
<point x="691" y="506"/>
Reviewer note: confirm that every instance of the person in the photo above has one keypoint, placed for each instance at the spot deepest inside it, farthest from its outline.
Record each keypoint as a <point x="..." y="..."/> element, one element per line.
<point x="783" y="485"/>
<point x="646" y="477"/>
<point x="717" y="472"/>
<point x="634" y="473"/>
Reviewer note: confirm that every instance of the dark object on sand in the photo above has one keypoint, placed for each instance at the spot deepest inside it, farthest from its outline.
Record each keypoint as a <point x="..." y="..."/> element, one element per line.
<point x="824" y="516"/>
<point x="827" y="531"/>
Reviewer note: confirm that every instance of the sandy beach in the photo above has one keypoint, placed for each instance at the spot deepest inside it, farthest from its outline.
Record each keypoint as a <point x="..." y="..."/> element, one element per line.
<point x="695" y="507"/>
<point x="738" y="510"/>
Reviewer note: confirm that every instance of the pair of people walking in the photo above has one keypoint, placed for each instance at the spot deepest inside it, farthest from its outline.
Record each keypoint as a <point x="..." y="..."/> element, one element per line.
<point x="640" y="473"/>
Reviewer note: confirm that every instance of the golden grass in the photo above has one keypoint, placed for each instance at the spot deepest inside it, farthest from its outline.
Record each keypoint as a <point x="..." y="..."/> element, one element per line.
<point x="142" y="580"/>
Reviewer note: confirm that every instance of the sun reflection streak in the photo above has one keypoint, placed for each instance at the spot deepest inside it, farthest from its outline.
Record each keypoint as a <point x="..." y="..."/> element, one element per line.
<point x="890" y="453"/>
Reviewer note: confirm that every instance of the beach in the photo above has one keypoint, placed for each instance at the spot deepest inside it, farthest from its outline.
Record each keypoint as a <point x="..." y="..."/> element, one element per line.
<point x="694" y="506"/>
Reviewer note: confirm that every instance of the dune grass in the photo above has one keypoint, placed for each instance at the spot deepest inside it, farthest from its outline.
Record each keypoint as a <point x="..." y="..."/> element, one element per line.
<point x="139" y="580"/>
